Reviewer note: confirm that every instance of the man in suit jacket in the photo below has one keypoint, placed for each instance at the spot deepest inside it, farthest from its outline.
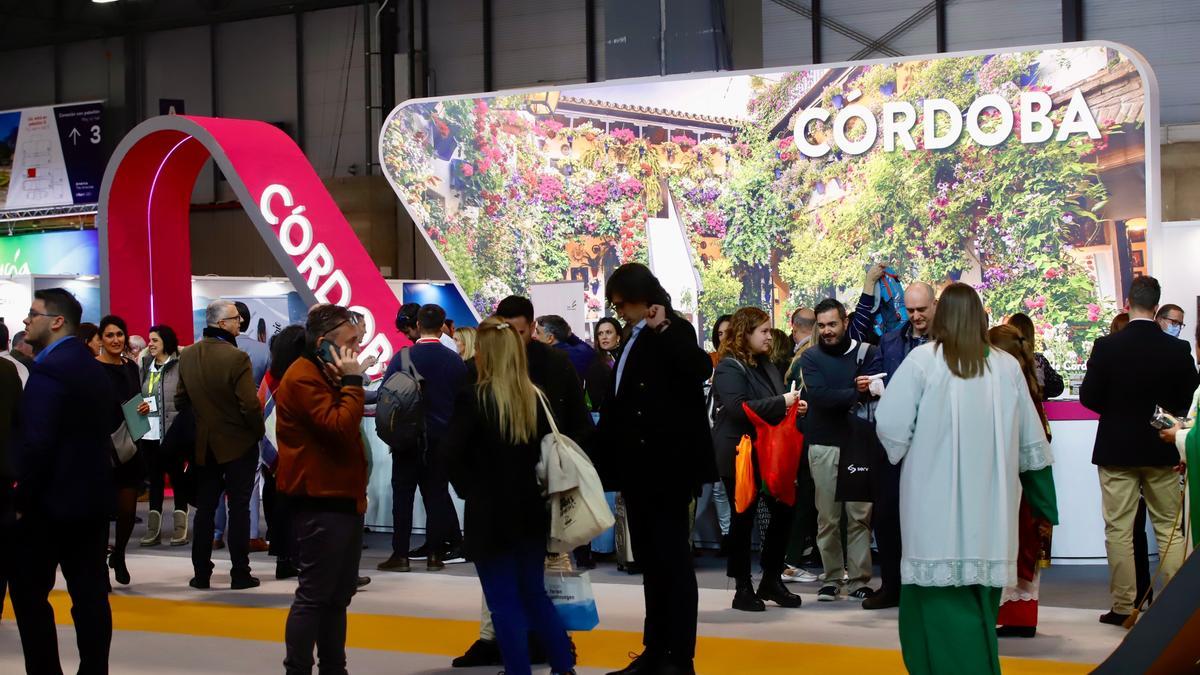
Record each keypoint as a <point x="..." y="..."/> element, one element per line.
<point x="654" y="423"/>
<point x="216" y="380"/>
<point x="1128" y="374"/>
<point x="62" y="459"/>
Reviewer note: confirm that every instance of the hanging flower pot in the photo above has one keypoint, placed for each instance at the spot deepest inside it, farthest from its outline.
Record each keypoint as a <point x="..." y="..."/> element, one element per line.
<point x="459" y="171"/>
<point x="839" y="101"/>
<point x="955" y="275"/>
<point x="1029" y="76"/>
<point x="820" y="187"/>
<point x="444" y="143"/>
<point x="887" y="88"/>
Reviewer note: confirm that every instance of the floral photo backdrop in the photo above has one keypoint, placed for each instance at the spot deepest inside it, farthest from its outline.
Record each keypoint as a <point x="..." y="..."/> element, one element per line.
<point x="775" y="223"/>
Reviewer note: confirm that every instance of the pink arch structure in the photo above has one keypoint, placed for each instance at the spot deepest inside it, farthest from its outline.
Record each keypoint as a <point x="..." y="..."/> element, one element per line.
<point x="145" y="199"/>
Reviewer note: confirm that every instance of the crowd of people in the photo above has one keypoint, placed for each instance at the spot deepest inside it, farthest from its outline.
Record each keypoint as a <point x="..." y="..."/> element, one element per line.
<point x="927" y="443"/>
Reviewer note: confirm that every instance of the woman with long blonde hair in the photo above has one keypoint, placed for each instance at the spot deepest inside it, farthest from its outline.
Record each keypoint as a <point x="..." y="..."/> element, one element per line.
<point x="1038" y="513"/>
<point x="465" y="339"/>
<point x="492" y="451"/>
<point x="958" y="412"/>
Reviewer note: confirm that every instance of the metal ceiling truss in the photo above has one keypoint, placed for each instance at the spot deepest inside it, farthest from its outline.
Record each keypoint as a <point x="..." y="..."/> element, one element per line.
<point x="881" y="45"/>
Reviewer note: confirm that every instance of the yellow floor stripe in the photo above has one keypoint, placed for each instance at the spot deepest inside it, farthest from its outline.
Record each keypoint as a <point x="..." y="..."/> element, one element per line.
<point x="600" y="648"/>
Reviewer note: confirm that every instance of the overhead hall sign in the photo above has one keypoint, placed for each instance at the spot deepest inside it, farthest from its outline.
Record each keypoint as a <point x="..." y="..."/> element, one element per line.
<point x="51" y="155"/>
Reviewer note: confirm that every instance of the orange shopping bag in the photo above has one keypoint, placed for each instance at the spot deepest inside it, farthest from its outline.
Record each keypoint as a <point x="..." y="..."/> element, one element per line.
<point x="745" y="487"/>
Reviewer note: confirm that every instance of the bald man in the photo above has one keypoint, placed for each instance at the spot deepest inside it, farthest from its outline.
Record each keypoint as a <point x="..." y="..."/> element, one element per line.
<point x="921" y="303"/>
<point x="803" y="320"/>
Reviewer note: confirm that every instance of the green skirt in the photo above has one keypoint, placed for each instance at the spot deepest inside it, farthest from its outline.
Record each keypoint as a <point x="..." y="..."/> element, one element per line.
<point x="949" y="629"/>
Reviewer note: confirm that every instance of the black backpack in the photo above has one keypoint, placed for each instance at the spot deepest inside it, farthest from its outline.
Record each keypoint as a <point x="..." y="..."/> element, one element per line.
<point x="400" y="409"/>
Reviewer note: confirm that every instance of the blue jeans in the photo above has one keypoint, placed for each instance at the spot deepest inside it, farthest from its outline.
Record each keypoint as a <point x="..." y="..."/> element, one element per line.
<point x="514" y="587"/>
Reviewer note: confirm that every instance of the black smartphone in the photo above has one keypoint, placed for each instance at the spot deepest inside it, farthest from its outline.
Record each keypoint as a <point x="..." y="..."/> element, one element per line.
<point x="327" y="354"/>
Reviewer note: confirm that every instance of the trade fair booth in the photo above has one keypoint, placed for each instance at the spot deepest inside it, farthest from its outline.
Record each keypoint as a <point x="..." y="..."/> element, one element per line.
<point x="1030" y="173"/>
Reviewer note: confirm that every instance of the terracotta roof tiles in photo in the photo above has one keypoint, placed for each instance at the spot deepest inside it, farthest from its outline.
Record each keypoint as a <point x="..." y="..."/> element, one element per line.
<point x="650" y="111"/>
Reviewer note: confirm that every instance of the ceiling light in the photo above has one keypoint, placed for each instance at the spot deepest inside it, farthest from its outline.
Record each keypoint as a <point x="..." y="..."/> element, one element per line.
<point x="103" y="2"/>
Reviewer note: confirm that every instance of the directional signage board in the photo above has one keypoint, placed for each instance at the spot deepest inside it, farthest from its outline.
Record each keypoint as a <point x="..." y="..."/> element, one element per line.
<point x="51" y="155"/>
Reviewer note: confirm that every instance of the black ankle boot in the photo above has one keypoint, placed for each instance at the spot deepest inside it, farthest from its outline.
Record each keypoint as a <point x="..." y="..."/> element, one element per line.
<point x="120" y="571"/>
<point x="772" y="589"/>
<point x="744" y="599"/>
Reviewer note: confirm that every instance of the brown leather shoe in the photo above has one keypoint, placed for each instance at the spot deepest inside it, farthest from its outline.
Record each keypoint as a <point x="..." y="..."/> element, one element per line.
<point x="258" y="545"/>
<point x="218" y="544"/>
<point x="434" y="562"/>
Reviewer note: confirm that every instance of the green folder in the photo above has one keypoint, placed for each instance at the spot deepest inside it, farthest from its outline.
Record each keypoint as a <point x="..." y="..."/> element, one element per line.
<point x="137" y="424"/>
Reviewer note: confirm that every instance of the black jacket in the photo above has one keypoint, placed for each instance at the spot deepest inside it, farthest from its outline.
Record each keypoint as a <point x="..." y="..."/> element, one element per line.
<point x="10" y="399"/>
<point x="734" y="383"/>
<point x="62" y="454"/>
<point x="830" y="391"/>
<point x="497" y="480"/>
<point x="654" y="432"/>
<point x="552" y="372"/>
<point x="599" y="377"/>
<point x="1128" y="373"/>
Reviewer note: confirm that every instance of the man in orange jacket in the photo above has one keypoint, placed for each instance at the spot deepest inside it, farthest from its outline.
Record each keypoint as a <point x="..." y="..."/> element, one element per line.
<point x="323" y="471"/>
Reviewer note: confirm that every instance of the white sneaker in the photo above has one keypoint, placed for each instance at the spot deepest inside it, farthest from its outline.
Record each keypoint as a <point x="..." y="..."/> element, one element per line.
<point x="794" y="575"/>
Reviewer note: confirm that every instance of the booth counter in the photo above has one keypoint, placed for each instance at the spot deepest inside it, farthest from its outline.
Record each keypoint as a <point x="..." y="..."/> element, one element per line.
<point x="1079" y="537"/>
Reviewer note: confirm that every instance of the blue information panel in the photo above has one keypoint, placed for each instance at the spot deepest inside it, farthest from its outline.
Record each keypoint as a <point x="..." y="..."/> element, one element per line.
<point x="51" y="155"/>
<point x="445" y="295"/>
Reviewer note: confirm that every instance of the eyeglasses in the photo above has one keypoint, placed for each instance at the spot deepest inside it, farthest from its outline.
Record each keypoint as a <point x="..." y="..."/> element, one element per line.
<point x="236" y="317"/>
<point x="1175" y="322"/>
<point x="34" y="315"/>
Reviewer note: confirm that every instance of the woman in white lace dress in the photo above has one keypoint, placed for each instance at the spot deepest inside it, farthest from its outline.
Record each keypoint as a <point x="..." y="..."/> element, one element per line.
<point x="959" y="414"/>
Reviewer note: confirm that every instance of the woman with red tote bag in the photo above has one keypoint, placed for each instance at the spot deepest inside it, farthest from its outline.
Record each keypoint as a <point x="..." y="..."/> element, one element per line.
<point x="746" y="379"/>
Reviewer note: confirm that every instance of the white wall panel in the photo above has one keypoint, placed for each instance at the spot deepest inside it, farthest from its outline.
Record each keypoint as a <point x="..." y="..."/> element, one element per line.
<point x="177" y="66"/>
<point x="787" y="36"/>
<point x="333" y="91"/>
<point x="978" y="24"/>
<point x="93" y="70"/>
<point x="1164" y="31"/>
<point x="27" y="78"/>
<point x="256" y="70"/>
<point x="538" y="41"/>
<point x="456" y="46"/>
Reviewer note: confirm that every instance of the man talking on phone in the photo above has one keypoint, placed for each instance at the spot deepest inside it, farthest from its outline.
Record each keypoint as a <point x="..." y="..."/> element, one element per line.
<point x="323" y="472"/>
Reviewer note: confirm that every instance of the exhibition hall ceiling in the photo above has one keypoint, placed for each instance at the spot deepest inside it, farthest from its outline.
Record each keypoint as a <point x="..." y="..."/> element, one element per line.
<point x="26" y="24"/>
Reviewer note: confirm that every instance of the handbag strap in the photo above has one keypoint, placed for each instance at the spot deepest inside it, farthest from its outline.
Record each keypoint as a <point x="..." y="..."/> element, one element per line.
<point x="549" y="415"/>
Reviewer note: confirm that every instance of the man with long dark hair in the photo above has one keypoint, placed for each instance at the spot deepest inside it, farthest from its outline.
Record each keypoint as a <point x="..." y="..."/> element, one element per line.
<point x="654" y="424"/>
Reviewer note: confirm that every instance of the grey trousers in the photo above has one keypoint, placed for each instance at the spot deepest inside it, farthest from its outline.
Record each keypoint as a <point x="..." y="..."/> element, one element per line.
<point x="327" y="550"/>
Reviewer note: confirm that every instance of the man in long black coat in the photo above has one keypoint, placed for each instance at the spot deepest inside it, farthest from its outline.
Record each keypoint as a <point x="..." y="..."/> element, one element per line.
<point x="655" y="448"/>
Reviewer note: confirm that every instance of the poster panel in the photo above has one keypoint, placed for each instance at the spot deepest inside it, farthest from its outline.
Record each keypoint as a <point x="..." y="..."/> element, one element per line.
<point x="51" y="155"/>
<point x="565" y="299"/>
<point x="1024" y="172"/>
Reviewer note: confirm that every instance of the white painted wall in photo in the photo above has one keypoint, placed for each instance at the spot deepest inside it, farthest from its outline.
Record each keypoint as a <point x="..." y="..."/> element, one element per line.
<point x="1174" y="265"/>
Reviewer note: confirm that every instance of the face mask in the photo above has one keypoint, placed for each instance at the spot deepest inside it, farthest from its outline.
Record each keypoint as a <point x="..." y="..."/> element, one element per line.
<point x="1174" y="329"/>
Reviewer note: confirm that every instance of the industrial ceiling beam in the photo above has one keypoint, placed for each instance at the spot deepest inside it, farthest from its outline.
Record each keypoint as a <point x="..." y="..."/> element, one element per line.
<point x="838" y="27"/>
